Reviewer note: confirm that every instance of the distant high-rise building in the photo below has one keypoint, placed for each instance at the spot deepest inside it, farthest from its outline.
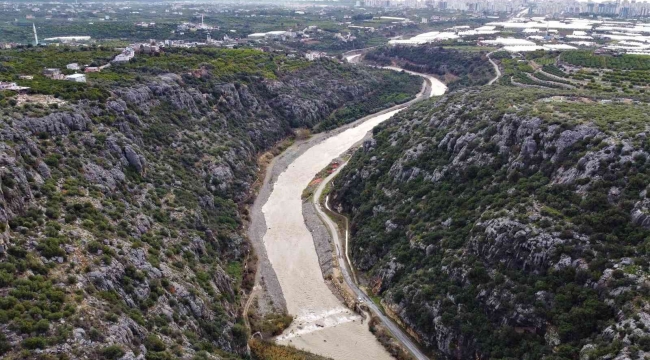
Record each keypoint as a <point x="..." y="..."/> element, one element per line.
<point x="35" y="35"/>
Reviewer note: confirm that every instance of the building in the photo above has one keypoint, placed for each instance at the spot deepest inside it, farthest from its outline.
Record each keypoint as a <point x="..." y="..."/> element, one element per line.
<point x="92" y="69"/>
<point x="73" y="66"/>
<point x="7" y="85"/>
<point x="278" y="35"/>
<point x="11" y="86"/>
<point x="257" y="36"/>
<point x="76" y="78"/>
<point x="507" y="42"/>
<point x="125" y="56"/>
<point x="147" y="48"/>
<point x="67" y="39"/>
<point x="53" y="73"/>
<point x="314" y="55"/>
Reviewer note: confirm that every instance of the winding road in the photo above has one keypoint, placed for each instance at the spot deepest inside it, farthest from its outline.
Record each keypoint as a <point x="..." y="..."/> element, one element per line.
<point x="344" y="262"/>
<point x="496" y="69"/>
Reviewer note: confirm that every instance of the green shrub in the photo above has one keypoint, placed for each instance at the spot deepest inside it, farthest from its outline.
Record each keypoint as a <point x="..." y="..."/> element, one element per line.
<point x="5" y="346"/>
<point x="112" y="352"/>
<point x="42" y="326"/>
<point x="34" y="343"/>
<point x="153" y="343"/>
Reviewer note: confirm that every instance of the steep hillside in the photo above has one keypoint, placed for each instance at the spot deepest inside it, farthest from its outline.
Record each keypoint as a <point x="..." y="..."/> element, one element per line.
<point x="508" y="225"/>
<point x="457" y="68"/>
<point x="122" y="203"/>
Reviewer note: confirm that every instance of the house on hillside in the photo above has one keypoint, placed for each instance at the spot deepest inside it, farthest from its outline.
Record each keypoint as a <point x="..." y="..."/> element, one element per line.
<point x="53" y="73"/>
<point x="76" y="78"/>
<point x="125" y="56"/>
<point x="314" y="55"/>
<point x="11" y="86"/>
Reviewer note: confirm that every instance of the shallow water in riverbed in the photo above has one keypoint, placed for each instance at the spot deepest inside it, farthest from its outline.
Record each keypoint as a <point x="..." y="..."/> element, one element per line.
<point x="323" y="325"/>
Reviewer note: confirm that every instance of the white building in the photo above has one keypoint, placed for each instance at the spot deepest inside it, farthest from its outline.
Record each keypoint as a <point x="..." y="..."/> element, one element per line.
<point x="508" y="42"/>
<point x="314" y="55"/>
<point x="73" y="66"/>
<point x="11" y="86"/>
<point x="425" y="38"/>
<point x="76" y="78"/>
<point x="7" y="85"/>
<point x="65" y="39"/>
<point x="125" y="56"/>
<point x="257" y="36"/>
<point x="281" y="34"/>
<point x="276" y="34"/>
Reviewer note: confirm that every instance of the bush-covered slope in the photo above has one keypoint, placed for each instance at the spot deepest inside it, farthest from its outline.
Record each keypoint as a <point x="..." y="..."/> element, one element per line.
<point x="121" y="215"/>
<point x="458" y="68"/>
<point x="508" y="225"/>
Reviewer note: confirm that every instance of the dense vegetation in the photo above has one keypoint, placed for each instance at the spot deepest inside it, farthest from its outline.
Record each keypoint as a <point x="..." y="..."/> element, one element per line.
<point x="633" y="78"/>
<point x="122" y="215"/>
<point x="459" y="68"/>
<point x="523" y="78"/>
<point x="508" y="225"/>
<point x="544" y="77"/>
<point x="262" y="350"/>
<point x="588" y="59"/>
<point x="554" y="70"/>
<point x="32" y="61"/>
<point x="397" y="92"/>
<point x="542" y="57"/>
<point x="543" y="69"/>
<point x="223" y="63"/>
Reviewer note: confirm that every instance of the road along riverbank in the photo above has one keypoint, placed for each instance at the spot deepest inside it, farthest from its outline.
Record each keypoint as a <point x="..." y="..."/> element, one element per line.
<point x="322" y="324"/>
<point x="339" y="236"/>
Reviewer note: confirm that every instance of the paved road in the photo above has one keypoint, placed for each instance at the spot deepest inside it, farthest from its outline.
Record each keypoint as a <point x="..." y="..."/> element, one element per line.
<point x="345" y="270"/>
<point x="496" y="68"/>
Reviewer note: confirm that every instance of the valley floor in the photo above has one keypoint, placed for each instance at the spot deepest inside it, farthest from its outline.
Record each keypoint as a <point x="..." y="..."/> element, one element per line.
<point x="322" y="324"/>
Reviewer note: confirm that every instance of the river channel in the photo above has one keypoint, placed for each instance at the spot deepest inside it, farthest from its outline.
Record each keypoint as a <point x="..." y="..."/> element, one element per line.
<point x="322" y="325"/>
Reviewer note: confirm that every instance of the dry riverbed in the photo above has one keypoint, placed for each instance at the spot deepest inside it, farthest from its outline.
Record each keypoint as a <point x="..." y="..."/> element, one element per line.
<point x="290" y="266"/>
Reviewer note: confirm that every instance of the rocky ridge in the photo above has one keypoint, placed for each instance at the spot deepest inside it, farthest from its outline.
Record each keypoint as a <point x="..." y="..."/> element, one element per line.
<point x="122" y="221"/>
<point x="501" y="225"/>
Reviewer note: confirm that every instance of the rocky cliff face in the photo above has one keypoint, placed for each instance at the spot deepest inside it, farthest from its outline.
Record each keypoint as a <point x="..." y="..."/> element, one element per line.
<point x="501" y="225"/>
<point x="121" y="220"/>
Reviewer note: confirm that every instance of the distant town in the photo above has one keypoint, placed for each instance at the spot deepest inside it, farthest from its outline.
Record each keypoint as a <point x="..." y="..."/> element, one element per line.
<point x="303" y="30"/>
